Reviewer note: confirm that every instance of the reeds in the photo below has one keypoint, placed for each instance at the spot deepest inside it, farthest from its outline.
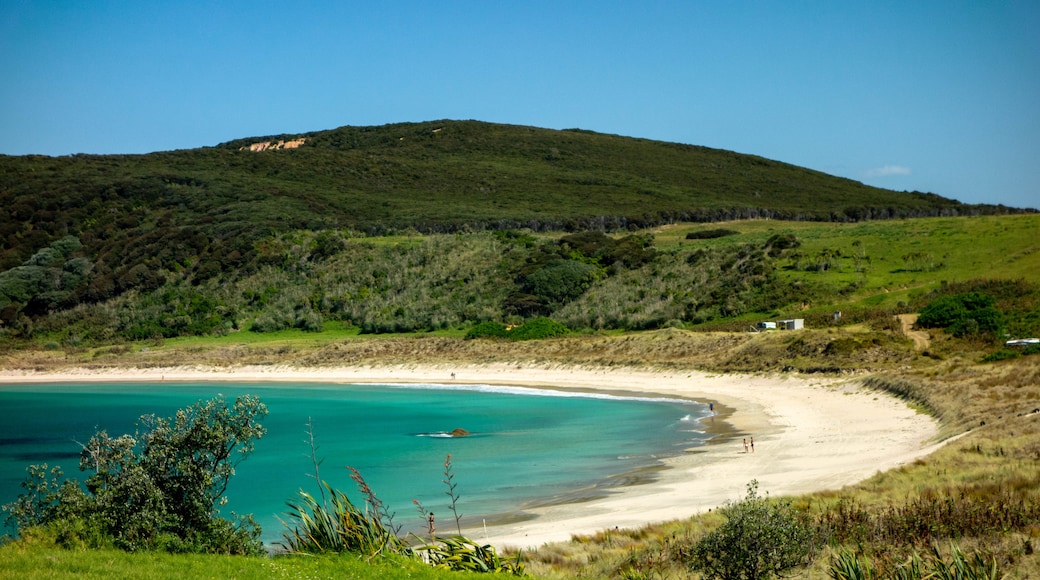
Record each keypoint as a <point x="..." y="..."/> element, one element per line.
<point x="933" y="515"/>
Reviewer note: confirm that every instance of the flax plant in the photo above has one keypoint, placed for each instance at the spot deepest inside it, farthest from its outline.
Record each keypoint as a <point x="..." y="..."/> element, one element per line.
<point x="337" y="526"/>
<point x="334" y="524"/>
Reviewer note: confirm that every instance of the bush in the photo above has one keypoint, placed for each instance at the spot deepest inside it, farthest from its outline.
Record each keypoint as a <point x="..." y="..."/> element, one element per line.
<point x="538" y="328"/>
<point x="560" y="281"/>
<point x="271" y="322"/>
<point x="489" y="329"/>
<point x="334" y="524"/>
<point x="963" y="315"/>
<point x="462" y="554"/>
<point x="1002" y="354"/>
<point x="758" y="540"/>
<point x="159" y="489"/>
<point x="777" y="243"/>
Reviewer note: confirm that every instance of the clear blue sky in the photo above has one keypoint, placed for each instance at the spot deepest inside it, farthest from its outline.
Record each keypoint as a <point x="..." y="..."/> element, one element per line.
<point x="940" y="96"/>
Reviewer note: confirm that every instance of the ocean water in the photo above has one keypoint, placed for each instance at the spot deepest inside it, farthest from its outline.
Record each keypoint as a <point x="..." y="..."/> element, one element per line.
<point x="526" y="447"/>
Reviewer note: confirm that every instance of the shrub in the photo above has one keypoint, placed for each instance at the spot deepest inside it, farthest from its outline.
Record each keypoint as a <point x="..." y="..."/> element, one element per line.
<point x="462" y="554"/>
<point x="842" y="346"/>
<point x="489" y="329"/>
<point x="41" y="499"/>
<point x="759" y="539"/>
<point x="1002" y="354"/>
<point x="309" y="321"/>
<point x="271" y="322"/>
<point x="336" y="525"/>
<point x="560" y="281"/>
<point x="963" y="315"/>
<point x="538" y="328"/>
<point x="777" y="243"/>
<point x="156" y="489"/>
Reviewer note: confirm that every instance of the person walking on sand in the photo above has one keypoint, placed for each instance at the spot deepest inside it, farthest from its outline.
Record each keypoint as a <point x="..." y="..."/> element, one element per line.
<point x="432" y="528"/>
<point x="745" y="446"/>
<point x="752" y="444"/>
<point x="711" y="408"/>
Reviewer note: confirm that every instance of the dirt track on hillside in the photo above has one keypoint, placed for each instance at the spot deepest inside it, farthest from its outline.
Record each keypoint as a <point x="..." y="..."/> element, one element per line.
<point x="921" y="338"/>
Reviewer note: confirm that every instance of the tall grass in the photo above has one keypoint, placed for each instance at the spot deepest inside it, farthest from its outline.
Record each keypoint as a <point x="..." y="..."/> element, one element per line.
<point x="931" y="516"/>
<point x="933" y="565"/>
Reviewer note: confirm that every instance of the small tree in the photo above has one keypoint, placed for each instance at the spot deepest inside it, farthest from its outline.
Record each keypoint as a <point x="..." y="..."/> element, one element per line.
<point x="759" y="539"/>
<point x="963" y="315"/>
<point x="162" y="487"/>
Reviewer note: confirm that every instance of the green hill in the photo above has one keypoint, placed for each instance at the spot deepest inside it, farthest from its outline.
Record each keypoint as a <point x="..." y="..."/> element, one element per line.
<point x="86" y="229"/>
<point x="433" y="177"/>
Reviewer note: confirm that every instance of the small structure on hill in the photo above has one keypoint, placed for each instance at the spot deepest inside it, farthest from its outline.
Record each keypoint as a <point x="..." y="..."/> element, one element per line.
<point x="791" y="324"/>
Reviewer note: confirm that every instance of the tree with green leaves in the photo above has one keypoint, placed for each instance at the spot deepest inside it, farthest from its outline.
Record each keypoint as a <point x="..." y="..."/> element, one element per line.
<point x="966" y="314"/>
<point x="161" y="487"/>
<point x="760" y="539"/>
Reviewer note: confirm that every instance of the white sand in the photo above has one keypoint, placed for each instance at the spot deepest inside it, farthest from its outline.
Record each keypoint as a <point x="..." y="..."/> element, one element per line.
<point x="810" y="434"/>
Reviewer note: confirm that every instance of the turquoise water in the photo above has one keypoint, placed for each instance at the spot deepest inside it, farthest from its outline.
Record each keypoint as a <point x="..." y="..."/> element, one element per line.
<point x="526" y="446"/>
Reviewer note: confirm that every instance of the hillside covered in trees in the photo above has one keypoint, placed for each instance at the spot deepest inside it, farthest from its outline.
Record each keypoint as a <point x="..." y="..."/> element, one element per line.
<point x="264" y="231"/>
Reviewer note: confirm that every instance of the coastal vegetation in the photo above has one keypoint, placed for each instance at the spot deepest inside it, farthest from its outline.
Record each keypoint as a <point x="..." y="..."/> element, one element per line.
<point x="164" y="232"/>
<point x="978" y="494"/>
<point x="448" y="242"/>
<point x="585" y="282"/>
<point x="158" y="489"/>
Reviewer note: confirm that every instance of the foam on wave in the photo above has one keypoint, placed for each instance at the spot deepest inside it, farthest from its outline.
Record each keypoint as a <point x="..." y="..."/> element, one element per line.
<point x="534" y="392"/>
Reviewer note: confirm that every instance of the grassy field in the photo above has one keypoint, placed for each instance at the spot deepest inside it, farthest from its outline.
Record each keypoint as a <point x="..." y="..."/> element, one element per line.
<point x="33" y="561"/>
<point x="980" y="492"/>
<point x="891" y="260"/>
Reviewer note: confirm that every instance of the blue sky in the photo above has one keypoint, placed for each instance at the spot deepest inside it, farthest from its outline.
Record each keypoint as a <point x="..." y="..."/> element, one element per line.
<point x="940" y="96"/>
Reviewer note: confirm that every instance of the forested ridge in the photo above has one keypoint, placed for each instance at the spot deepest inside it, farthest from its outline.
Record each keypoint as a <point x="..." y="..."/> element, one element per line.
<point x="175" y="227"/>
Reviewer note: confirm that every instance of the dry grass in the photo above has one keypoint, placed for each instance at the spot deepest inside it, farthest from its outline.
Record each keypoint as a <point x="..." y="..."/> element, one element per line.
<point x="957" y="495"/>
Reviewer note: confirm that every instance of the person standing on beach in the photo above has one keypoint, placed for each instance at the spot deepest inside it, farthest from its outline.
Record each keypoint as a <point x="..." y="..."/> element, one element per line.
<point x="432" y="528"/>
<point x="752" y="444"/>
<point x="745" y="446"/>
<point x="711" y="407"/>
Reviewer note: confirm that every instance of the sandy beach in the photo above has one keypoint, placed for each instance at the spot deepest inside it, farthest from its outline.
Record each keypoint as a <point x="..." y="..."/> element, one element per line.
<point x="810" y="434"/>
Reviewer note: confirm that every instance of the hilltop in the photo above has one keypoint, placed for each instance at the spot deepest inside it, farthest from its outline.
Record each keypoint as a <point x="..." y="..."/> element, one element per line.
<point x="441" y="176"/>
<point x="109" y="225"/>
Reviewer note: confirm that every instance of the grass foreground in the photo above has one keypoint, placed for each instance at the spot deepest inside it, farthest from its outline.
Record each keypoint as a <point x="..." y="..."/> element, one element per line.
<point x="31" y="560"/>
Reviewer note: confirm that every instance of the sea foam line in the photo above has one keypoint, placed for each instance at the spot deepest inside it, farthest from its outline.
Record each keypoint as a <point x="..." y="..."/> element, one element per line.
<point x="533" y="392"/>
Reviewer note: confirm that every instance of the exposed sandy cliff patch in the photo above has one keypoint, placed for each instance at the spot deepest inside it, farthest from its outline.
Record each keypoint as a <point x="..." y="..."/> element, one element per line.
<point x="271" y="145"/>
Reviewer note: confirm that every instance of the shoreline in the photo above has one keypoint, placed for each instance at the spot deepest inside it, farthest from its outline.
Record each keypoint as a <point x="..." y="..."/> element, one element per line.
<point x="810" y="434"/>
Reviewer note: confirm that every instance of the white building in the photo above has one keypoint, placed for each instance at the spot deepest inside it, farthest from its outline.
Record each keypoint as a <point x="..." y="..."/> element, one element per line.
<point x="792" y="324"/>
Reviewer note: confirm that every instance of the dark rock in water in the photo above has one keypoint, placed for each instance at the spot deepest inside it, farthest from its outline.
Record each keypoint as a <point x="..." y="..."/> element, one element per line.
<point x="459" y="432"/>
